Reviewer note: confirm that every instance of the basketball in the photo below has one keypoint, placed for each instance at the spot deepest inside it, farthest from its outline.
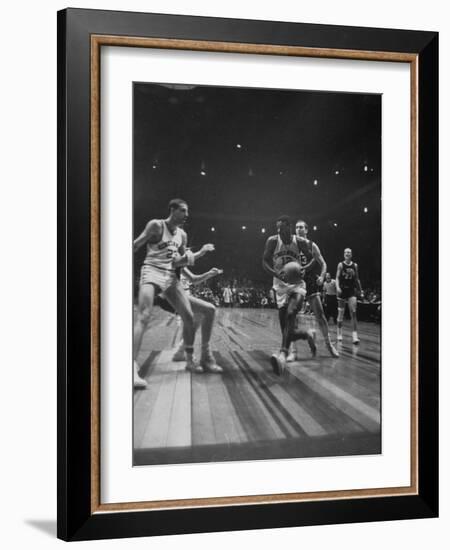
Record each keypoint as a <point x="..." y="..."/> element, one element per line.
<point x="292" y="272"/>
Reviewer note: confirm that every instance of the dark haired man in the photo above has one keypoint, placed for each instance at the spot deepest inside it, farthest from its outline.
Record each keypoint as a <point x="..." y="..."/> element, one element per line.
<point x="166" y="251"/>
<point x="280" y="249"/>
<point x="314" y="277"/>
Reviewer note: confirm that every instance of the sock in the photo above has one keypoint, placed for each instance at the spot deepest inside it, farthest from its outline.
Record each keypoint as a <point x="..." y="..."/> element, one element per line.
<point x="206" y="351"/>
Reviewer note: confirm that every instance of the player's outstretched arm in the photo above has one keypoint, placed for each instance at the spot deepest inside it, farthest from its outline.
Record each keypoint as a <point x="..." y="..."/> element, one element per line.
<point x="152" y="232"/>
<point x="269" y="249"/>
<point x="317" y="255"/>
<point x="200" y="278"/>
<point x="204" y="250"/>
<point x="358" y="282"/>
<point x="186" y="257"/>
<point x="338" y="274"/>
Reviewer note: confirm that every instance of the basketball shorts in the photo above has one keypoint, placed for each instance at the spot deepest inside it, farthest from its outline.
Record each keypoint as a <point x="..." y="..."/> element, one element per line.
<point x="162" y="279"/>
<point x="284" y="290"/>
<point x="347" y="293"/>
<point x="312" y="288"/>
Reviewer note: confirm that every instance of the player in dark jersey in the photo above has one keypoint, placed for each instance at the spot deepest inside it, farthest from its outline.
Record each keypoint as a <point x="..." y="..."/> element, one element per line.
<point x="280" y="250"/>
<point x="310" y="255"/>
<point x="348" y="286"/>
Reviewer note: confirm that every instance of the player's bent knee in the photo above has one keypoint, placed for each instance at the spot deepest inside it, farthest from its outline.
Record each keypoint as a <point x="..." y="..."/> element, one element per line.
<point x="187" y="317"/>
<point x="210" y="311"/>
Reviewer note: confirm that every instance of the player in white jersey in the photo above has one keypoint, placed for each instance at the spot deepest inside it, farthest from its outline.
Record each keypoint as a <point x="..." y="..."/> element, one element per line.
<point x="280" y="250"/>
<point x="166" y="251"/>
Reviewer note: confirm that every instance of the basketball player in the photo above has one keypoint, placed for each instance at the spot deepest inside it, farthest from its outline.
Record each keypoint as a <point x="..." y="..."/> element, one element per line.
<point x="314" y="277"/>
<point x="347" y="287"/>
<point x="204" y="316"/>
<point x="280" y="250"/>
<point x="166" y="250"/>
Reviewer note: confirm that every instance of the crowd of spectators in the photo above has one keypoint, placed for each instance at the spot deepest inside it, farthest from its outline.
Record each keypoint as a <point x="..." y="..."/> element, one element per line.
<point x="244" y="293"/>
<point x="235" y="293"/>
<point x="241" y="292"/>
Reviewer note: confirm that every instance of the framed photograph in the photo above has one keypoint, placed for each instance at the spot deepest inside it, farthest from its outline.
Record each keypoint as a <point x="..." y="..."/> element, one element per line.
<point x="247" y="254"/>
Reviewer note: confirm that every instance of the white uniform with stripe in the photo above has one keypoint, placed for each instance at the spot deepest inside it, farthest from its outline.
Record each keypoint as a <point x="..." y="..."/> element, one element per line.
<point x="158" y="264"/>
<point x="283" y="254"/>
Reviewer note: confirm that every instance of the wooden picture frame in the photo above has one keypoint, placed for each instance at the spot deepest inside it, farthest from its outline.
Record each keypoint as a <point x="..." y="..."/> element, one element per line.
<point x="81" y="35"/>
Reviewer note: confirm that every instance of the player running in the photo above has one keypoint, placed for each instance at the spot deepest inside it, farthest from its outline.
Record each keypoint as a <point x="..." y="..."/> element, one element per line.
<point x="348" y="286"/>
<point x="282" y="249"/>
<point x="314" y="278"/>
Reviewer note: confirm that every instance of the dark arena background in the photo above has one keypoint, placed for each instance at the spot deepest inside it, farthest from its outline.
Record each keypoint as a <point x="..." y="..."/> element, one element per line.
<point x="241" y="158"/>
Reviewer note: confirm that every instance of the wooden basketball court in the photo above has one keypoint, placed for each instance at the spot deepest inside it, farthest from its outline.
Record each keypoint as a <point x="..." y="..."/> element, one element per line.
<point x="320" y="407"/>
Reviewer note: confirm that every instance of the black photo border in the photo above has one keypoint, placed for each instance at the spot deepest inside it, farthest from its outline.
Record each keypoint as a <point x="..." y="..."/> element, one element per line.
<point x="81" y="33"/>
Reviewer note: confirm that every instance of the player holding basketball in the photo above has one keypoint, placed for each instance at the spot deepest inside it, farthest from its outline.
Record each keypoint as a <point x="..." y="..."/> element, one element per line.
<point x="347" y="287"/>
<point x="166" y="251"/>
<point x="314" y="277"/>
<point x="280" y="250"/>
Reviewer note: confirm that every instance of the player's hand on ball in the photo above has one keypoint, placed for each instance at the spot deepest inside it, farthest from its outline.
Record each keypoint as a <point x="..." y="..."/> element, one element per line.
<point x="208" y="248"/>
<point x="282" y="275"/>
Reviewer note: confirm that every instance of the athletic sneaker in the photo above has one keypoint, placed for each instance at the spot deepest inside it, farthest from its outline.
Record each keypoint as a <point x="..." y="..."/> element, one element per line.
<point x="208" y="364"/>
<point x="192" y="366"/>
<point x="355" y="337"/>
<point x="312" y="341"/>
<point x="179" y="355"/>
<point x="138" y="382"/>
<point x="278" y="363"/>
<point x="291" y="357"/>
<point x="333" y="351"/>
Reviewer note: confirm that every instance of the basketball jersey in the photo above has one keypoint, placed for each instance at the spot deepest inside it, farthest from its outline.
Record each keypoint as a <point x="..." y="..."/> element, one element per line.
<point x="347" y="278"/>
<point x="285" y="253"/>
<point x="160" y="254"/>
<point x="306" y="255"/>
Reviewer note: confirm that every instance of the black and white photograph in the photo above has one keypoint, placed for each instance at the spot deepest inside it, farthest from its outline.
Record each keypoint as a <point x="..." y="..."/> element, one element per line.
<point x="257" y="294"/>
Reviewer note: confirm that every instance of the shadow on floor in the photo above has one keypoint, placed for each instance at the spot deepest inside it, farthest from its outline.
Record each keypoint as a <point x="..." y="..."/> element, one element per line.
<point x="47" y="526"/>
